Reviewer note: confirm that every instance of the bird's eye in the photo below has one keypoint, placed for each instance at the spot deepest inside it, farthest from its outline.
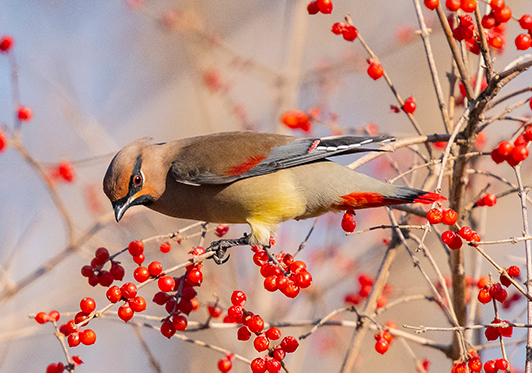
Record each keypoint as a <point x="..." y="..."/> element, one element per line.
<point x="137" y="180"/>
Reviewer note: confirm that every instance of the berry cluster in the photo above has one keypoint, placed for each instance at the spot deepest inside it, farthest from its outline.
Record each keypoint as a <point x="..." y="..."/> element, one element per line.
<point x="323" y="6"/>
<point x="43" y="317"/>
<point x="493" y="333"/>
<point x="349" y="32"/>
<point x="71" y="329"/>
<point x="439" y="215"/>
<point x="289" y="276"/>
<point x="513" y="153"/>
<point x="95" y="272"/>
<point x="296" y="119"/>
<point x="366" y="283"/>
<point x="254" y="324"/>
<point x="384" y="339"/>
<point x="493" y="366"/>
<point x="513" y="272"/>
<point x="492" y="291"/>
<point x="183" y="301"/>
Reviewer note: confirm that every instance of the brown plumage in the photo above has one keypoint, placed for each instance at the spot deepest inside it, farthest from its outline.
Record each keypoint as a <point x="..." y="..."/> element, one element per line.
<point x="247" y="177"/>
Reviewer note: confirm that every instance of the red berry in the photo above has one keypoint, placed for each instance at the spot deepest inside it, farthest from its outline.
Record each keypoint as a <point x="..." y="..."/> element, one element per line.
<point x="523" y="41"/>
<point x="313" y="8"/>
<point x="348" y="222"/>
<point x="167" y="329"/>
<point x="497" y="4"/>
<point x="166" y="283"/>
<point x="503" y="14"/>
<point x="261" y="343"/>
<point x="489" y="200"/>
<point x="410" y="105"/>
<point x="87" y="305"/>
<point x="491" y="333"/>
<point x="54" y="315"/>
<point x="180" y="322"/>
<point x="431" y="4"/>
<point x="129" y="290"/>
<point x="505" y="332"/>
<point x="105" y="279"/>
<point x="139" y="259"/>
<point x="289" y="344"/>
<point x="165" y="247"/>
<point x="296" y="119"/>
<point x="484" y="296"/>
<point x="452" y="5"/>
<point x="102" y="254"/>
<point x="238" y="298"/>
<point x="87" y="337"/>
<point x="468" y="6"/>
<point x="6" y="42"/>
<point x="449" y="217"/>
<point x="24" y="113"/>
<point x="160" y="298"/>
<point x="114" y="294"/>
<point x="496" y="156"/>
<point x="447" y="237"/>
<point x="298" y="266"/>
<point x="214" y="311"/>
<point x="224" y="365"/>
<point x="303" y="279"/>
<point x="255" y="324"/>
<point x="258" y="365"/>
<point x="475" y="364"/>
<point x="435" y="215"/>
<point x="466" y="233"/>
<point x="221" y="230"/>
<point x="155" y="268"/>
<point x="273" y="333"/>
<point x="489" y="21"/>
<point x="136" y="248"/>
<point x="270" y="283"/>
<point x="291" y="290"/>
<point x="273" y="366"/>
<point x="279" y="354"/>
<point x="3" y="141"/>
<point x="141" y="274"/>
<point x="117" y="271"/>
<point x="325" y="6"/>
<point x="125" y="312"/>
<point x="375" y="70"/>
<point x="505" y="148"/>
<point x="73" y="339"/>
<point x="501" y="364"/>
<point x="527" y="134"/>
<point x="195" y="276"/>
<point x="513" y="271"/>
<point x="243" y="333"/>
<point x="42" y="317"/>
<point x="519" y="153"/>
<point x="235" y="312"/>
<point x="337" y="28"/>
<point x="526" y="22"/>
<point x="382" y="346"/>
<point x="490" y="366"/>
<point x="138" y="304"/>
<point x="350" y="33"/>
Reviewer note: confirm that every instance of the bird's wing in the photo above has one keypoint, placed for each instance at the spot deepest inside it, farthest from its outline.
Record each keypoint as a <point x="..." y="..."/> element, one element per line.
<point x="226" y="157"/>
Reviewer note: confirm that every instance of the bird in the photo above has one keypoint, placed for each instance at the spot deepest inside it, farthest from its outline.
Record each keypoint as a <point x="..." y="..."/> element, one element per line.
<point x="256" y="178"/>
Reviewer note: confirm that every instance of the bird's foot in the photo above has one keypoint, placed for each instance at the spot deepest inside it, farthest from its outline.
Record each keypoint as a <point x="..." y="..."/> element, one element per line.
<point x="220" y="248"/>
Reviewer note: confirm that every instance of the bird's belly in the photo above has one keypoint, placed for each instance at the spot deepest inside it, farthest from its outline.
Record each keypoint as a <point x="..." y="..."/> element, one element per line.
<point x="267" y="199"/>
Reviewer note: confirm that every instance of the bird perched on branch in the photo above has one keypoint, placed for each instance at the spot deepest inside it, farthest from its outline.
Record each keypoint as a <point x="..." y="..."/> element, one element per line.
<point x="261" y="179"/>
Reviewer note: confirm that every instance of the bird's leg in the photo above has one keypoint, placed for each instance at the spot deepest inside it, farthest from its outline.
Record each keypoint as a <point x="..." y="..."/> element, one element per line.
<point x="221" y="246"/>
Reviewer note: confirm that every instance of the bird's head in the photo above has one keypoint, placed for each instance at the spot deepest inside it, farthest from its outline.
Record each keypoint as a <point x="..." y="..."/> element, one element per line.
<point x="133" y="177"/>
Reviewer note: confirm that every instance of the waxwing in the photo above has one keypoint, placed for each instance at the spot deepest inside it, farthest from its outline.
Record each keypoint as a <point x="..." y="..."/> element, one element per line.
<point x="261" y="179"/>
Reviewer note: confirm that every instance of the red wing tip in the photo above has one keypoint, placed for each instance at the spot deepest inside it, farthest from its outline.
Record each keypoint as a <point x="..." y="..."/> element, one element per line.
<point x="429" y="198"/>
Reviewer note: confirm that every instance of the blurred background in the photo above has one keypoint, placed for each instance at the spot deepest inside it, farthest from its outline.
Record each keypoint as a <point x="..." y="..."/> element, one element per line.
<point x="101" y="74"/>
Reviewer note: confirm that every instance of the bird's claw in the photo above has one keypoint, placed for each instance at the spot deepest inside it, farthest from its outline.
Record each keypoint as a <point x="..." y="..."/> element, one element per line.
<point x="220" y="248"/>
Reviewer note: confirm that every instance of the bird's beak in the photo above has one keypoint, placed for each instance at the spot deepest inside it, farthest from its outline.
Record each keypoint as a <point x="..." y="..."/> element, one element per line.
<point x="120" y="208"/>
